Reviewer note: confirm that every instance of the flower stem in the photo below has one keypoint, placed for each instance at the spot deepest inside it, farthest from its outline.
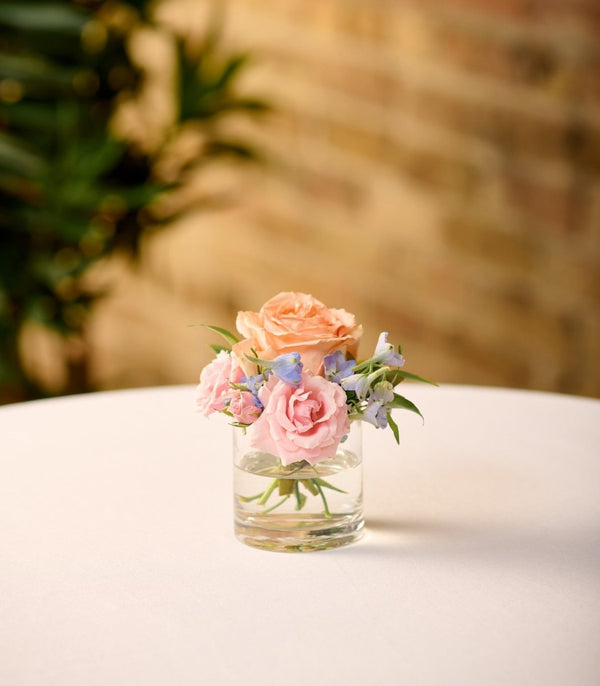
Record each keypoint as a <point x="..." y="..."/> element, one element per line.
<point x="300" y="497"/>
<point x="267" y="494"/>
<point x="296" y="468"/>
<point x="289" y="487"/>
<point x="326" y="484"/>
<point x="310" y="486"/>
<point x="274" y="507"/>
<point x="250" y="498"/>
<point x="325" y="507"/>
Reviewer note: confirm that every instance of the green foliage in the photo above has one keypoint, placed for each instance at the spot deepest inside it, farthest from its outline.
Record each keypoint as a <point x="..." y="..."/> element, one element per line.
<point x="71" y="191"/>
<point x="395" y="376"/>
<point x="400" y="401"/>
<point x="231" y="338"/>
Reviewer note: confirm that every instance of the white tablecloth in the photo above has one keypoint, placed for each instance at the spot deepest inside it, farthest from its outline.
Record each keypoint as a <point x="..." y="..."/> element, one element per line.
<point x="481" y="562"/>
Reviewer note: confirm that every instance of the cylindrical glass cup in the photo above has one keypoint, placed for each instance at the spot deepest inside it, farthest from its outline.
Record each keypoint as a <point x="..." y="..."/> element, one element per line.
<point x="300" y="507"/>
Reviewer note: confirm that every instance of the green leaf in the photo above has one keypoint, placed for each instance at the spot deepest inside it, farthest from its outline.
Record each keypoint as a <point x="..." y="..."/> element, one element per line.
<point x="255" y="105"/>
<point x="140" y="195"/>
<point x="286" y="486"/>
<point x="37" y="73"/>
<point x="394" y="428"/>
<point x="233" y="65"/>
<point x="233" y="148"/>
<point x="310" y="486"/>
<point x="219" y="348"/>
<point x="227" y="335"/>
<point x="403" y="403"/>
<point x="237" y="425"/>
<point x="97" y="156"/>
<point x="15" y="156"/>
<point x="395" y="376"/>
<point x="43" y="16"/>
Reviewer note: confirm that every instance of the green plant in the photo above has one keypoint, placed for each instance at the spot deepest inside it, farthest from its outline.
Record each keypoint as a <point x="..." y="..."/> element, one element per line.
<point x="72" y="191"/>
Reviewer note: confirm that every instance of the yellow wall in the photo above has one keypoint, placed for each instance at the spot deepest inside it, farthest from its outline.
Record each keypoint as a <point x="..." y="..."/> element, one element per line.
<point x="432" y="167"/>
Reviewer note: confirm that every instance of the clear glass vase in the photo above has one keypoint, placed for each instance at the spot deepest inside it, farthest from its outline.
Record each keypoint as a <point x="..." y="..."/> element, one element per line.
<point x="299" y="507"/>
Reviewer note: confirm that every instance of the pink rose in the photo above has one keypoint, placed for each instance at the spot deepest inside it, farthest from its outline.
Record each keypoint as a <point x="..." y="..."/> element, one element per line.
<point x="296" y="322"/>
<point x="243" y="407"/>
<point x="215" y="383"/>
<point x="304" y="422"/>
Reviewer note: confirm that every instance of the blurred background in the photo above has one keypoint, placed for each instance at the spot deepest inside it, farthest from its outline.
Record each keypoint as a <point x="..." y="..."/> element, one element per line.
<point x="432" y="167"/>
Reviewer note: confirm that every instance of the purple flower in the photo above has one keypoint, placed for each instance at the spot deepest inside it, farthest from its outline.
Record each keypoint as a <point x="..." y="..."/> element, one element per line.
<point x="359" y="383"/>
<point x="376" y="413"/>
<point x="254" y="384"/>
<point x="377" y="409"/>
<point x="383" y="391"/>
<point x="288" y="368"/>
<point x="385" y="353"/>
<point x="337" y="367"/>
<point x="364" y="384"/>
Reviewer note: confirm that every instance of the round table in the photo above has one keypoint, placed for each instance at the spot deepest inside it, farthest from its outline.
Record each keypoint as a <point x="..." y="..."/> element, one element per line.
<point x="480" y="564"/>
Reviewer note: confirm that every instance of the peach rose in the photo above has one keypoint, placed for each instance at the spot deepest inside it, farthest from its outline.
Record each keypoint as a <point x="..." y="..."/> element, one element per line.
<point x="296" y="322"/>
<point x="304" y="422"/>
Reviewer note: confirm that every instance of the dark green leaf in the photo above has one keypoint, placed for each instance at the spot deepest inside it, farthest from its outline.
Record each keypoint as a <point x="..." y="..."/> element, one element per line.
<point x="15" y="156"/>
<point x="42" y="16"/>
<point x="218" y="148"/>
<point x="232" y="67"/>
<point x="256" y="105"/>
<point x="37" y="73"/>
<point x="138" y="196"/>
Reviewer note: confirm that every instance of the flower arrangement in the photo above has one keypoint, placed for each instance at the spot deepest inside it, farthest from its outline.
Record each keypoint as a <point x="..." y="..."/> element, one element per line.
<point x="294" y="384"/>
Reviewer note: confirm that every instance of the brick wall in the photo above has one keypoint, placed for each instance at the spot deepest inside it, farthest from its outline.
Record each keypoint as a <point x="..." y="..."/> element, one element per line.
<point x="432" y="167"/>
